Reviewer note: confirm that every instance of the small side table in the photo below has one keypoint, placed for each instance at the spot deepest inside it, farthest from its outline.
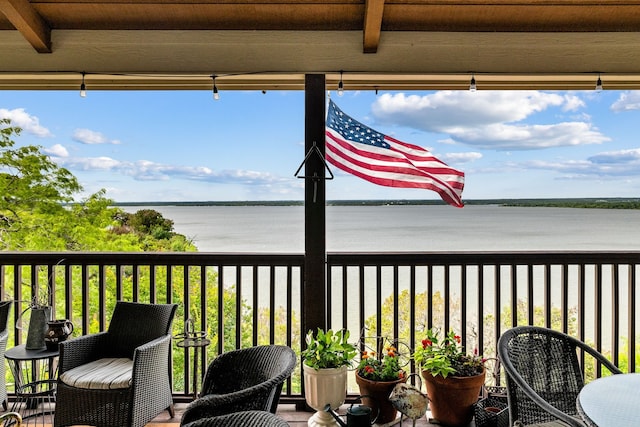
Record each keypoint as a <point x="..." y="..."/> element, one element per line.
<point x="35" y="373"/>
<point x="610" y="401"/>
<point x="195" y="340"/>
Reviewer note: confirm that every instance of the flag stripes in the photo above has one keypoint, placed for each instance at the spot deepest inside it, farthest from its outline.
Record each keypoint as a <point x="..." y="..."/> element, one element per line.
<point x="383" y="160"/>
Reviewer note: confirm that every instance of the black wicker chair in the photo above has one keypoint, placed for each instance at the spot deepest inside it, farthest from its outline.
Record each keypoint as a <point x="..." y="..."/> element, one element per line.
<point x="243" y="380"/>
<point x="139" y="332"/>
<point x="241" y="419"/>
<point x="5" y="307"/>
<point x="544" y="376"/>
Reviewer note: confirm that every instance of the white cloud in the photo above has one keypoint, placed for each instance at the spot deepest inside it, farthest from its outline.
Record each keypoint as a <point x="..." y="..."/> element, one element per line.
<point x="612" y="164"/>
<point x="446" y="110"/>
<point x="621" y="162"/>
<point x="489" y="119"/>
<point x="57" y="151"/>
<point x="19" y="117"/>
<point x="90" y="163"/>
<point x="460" y="157"/>
<point x="144" y="170"/>
<point x="572" y="103"/>
<point x="87" y="136"/>
<point x="627" y="101"/>
<point x="632" y="154"/>
<point x="530" y="137"/>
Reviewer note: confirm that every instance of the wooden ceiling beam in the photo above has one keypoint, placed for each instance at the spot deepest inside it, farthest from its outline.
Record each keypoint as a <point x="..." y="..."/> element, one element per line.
<point x="296" y="82"/>
<point x="26" y="19"/>
<point x="373" y="12"/>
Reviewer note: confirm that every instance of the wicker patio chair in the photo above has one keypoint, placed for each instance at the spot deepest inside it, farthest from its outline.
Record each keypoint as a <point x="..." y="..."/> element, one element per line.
<point x="241" y="419"/>
<point x="118" y="378"/>
<point x="243" y="380"/>
<point x="544" y="376"/>
<point x="5" y="307"/>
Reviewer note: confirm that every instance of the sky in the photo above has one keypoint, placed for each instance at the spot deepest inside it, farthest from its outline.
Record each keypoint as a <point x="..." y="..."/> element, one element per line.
<point x="149" y="146"/>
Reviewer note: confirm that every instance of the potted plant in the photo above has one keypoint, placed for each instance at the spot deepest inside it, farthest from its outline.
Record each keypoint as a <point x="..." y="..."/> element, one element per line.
<point x="376" y="375"/>
<point x="326" y="359"/>
<point x="452" y="377"/>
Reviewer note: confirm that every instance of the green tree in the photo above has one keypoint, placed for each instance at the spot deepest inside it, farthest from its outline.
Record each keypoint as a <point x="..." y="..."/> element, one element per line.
<point x="149" y="221"/>
<point x="29" y="183"/>
<point x="38" y="212"/>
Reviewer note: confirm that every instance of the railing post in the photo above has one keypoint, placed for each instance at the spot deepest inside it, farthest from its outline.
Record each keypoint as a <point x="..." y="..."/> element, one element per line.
<point x="313" y="291"/>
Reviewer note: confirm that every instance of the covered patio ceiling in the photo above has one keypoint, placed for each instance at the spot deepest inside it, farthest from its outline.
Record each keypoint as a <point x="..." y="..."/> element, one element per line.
<point x="272" y="44"/>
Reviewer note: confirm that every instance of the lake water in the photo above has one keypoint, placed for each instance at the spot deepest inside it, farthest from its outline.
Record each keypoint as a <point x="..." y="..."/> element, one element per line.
<point x="407" y="228"/>
<point x="416" y="228"/>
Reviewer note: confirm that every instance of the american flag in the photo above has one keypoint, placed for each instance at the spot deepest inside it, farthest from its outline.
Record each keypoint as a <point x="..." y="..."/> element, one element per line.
<point x="378" y="158"/>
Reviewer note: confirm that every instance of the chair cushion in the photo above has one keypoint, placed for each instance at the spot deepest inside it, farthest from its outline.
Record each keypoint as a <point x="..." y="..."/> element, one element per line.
<point x="550" y="424"/>
<point x="101" y="374"/>
<point x="547" y="424"/>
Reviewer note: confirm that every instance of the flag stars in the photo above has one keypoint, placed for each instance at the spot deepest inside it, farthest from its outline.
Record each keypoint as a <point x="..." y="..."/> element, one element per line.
<point x="353" y="130"/>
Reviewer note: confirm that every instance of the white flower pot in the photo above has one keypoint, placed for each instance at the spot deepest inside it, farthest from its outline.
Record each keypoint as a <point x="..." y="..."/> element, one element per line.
<point x="322" y="387"/>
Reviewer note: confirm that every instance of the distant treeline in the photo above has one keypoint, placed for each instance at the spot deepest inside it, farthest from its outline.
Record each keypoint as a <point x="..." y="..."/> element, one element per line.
<point x="578" y="203"/>
<point x="599" y="203"/>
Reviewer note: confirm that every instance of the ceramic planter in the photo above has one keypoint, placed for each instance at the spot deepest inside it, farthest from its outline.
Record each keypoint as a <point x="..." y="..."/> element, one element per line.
<point x="322" y="387"/>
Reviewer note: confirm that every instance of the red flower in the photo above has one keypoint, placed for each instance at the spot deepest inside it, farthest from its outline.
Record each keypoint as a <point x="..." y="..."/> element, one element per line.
<point x="382" y="368"/>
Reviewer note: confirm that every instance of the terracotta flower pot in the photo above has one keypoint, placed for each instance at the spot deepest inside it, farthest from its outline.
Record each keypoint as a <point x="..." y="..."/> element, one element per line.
<point x="452" y="398"/>
<point x="379" y="392"/>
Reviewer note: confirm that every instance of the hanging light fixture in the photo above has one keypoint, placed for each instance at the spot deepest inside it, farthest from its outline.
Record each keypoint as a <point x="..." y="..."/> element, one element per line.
<point x="472" y="84"/>
<point x="83" y="87"/>
<point x="340" y="85"/>
<point x="599" y="84"/>
<point x="216" y="95"/>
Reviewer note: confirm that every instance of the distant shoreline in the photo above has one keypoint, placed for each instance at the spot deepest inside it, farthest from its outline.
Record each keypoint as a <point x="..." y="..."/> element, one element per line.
<point x="596" y="203"/>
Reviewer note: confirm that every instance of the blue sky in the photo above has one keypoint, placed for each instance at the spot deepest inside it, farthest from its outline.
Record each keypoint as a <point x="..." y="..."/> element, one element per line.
<point x="184" y="146"/>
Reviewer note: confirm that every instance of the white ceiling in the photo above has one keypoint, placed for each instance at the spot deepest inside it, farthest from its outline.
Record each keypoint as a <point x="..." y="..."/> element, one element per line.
<point x="408" y="53"/>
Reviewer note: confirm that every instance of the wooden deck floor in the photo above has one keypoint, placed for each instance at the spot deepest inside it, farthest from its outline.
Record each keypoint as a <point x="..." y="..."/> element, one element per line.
<point x="286" y="412"/>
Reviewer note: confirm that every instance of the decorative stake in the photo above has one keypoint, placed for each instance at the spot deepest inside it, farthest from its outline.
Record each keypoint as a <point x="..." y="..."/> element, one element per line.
<point x="315" y="177"/>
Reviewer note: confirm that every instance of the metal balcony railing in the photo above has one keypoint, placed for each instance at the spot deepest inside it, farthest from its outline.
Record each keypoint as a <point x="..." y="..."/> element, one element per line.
<point x="242" y="300"/>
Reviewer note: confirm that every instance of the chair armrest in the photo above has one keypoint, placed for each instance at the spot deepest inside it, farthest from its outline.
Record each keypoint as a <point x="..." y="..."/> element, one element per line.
<point x="150" y="383"/>
<point x="599" y="357"/>
<point x="152" y="355"/>
<point x="4" y="338"/>
<point x="81" y="350"/>
<point x="211" y="405"/>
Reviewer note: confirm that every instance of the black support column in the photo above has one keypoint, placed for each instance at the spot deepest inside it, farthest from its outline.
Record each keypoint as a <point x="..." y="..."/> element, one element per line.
<point x="314" y="313"/>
